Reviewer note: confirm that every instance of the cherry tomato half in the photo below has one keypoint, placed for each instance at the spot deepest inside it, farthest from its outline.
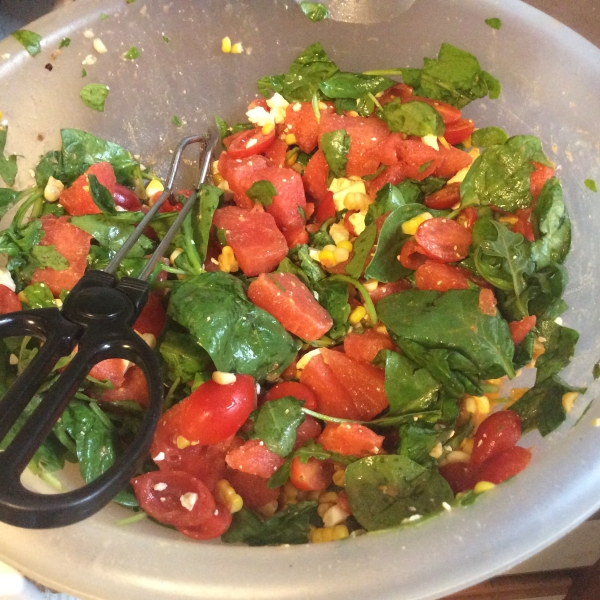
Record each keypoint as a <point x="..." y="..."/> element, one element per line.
<point x="459" y="475"/>
<point x="445" y="198"/>
<point x="248" y="143"/>
<point x="443" y="239"/>
<point x="497" y="433"/>
<point x="458" y="131"/>
<point x="311" y="476"/>
<point x="440" y="277"/>
<point x="295" y="389"/>
<point x="519" y="329"/>
<point x="350" y="439"/>
<point x="411" y="255"/>
<point x="215" y="526"/>
<point x="500" y="467"/>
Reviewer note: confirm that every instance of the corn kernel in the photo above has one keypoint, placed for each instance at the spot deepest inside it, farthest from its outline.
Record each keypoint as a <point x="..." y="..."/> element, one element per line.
<point x="467" y="445"/>
<point x="182" y="442"/>
<point x="268" y="510"/>
<point x="341" y="255"/>
<point x="358" y="314"/>
<point x="99" y="46"/>
<point x="352" y="113"/>
<point x="568" y="400"/>
<point x="509" y="220"/>
<point x="538" y="349"/>
<point x="330" y="497"/>
<point x="327" y="258"/>
<point x="345" y="244"/>
<point x="290" y="493"/>
<point x="334" y="516"/>
<point x="442" y="140"/>
<point x="323" y="508"/>
<point x="226" y="45"/>
<point x="457" y="456"/>
<point x="154" y="187"/>
<point x="328" y="534"/>
<point x="53" y="189"/>
<point x="290" y="139"/>
<point x="149" y="338"/>
<point x="227" y="261"/>
<point x="483" y="404"/>
<point x="237" y="48"/>
<point x="483" y="486"/>
<point x="410" y="227"/>
<point x="339" y="478"/>
<point x="217" y="178"/>
<point x="227" y="496"/>
<point x="267" y="128"/>
<point x="371" y="285"/>
<point x="223" y="378"/>
<point x="356" y="201"/>
<point x="339" y="233"/>
<point x="23" y="298"/>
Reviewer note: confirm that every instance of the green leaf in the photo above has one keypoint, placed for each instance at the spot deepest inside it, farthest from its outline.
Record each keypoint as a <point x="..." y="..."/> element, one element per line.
<point x="101" y="196"/>
<point x="362" y="247"/>
<point x="240" y="337"/>
<point x="364" y="105"/>
<point x="262" y="191"/>
<point x="488" y="136"/>
<point x="416" y="442"/>
<point x="383" y="491"/>
<point x="8" y="198"/>
<point x="38" y="294"/>
<point x="312" y="270"/>
<point x="83" y="73"/>
<point x="412" y="118"/>
<point x="176" y="121"/>
<point x="590" y="184"/>
<point x="94" y="95"/>
<point x="48" y="166"/>
<point x="354" y="85"/>
<point x="385" y="265"/>
<point x="335" y="146"/>
<point x="104" y="16"/>
<point x="64" y="43"/>
<point x="166" y="39"/>
<point x="494" y="23"/>
<point x="8" y="166"/>
<point x="202" y="217"/>
<point x="50" y="257"/>
<point x="559" y="348"/>
<point x="596" y="370"/>
<point x="29" y="40"/>
<point x="451" y="321"/>
<point x="183" y="358"/>
<point x="321" y="238"/>
<point x="390" y="197"/>
<point x="315" y="11"/>
<point x="132" y="53"/>
<point x="500" y="176"/>
<point x="333" y="297"/>
<point x="276" y="424"/>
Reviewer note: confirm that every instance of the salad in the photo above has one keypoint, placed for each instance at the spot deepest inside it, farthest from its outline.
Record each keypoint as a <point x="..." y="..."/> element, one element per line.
<point x="335" y="318"/>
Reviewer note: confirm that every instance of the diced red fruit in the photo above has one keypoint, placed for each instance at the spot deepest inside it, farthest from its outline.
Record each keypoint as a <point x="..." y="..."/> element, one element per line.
<point x="290" y="371"/>
<point x="458" y="131"/>
<point x="449" y="113"/>
<point x="252" y="488"/>
<point x="303" y="124"/>
<point x="412" y="256"/>
<point x="441" y="277"/>
<point x="314" y="177"/>
<point x="400" y="90"/>
<point x="77" y="199"/>
<point x="111" y="369"/>
<point x="418" y="160"/>
<point x="134" y="388"/>
<point x="387" y="289"/>
<point x="365" y="346"/>
<point x="152" y="318"/>
<point x="445" y="198"/>
<point x="248" y="142"/>
<point x="538" y="178"/>
<point x="523" y="225"/>
<point x="350" y="439"/>
<point x="285" y="297"/>
<point x="519" y="329"/>
<point x="497" y="433"/>
<point x="255" y="458"/>
<point x="311" y="476"/>
<point x="326" y="209"/>
<point x="309" y="429"/>
<point x="487" y="302"/>
<point x="467" y="217"/>
<point x="262" y="102"/>
<point x="394" y="175"/>
<point x="451" y="161"/>
<point x="239" y="174"/>
<point x="503" y="465"/>
<point x="70" y="241"/>
<point x="256" y="241"/>
<point x="9" y="301"/>
<point x="459" y="475"/>
<point x="215" y="526"/>
<point x="443" y="239"/>
<point x="295" y="389"/>
<point x="276" y="152"/>
<point x="126" y="198"/>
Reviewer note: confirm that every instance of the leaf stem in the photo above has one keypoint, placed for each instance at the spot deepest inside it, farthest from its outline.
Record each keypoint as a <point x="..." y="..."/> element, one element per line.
<point x="133" y="519"/>
<point x="369" y="306"/>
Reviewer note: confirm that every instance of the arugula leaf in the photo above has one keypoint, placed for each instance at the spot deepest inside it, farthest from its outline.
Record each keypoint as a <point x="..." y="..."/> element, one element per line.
<point x="333" y="297"/>
<point x="38" y="295"/>
<point x="8" y="198"/>
<point x="29" y="40"/>
<point x="183" y="358"/>
<point x="94" y="95"/>
<point x="560" y="348"/>
<point x="590" y="184"/>
<point x="500" y="176"/>
<point x="390" y="197"/>
<point x="315" y="11"/>
<point x="301" y="82"/>
<point x="335" y="146"/>
<point x="262" y="191"/>
<point x="385" y="265"/>
<point x="49" y="256"/>
<point x="276" y="424"/>
<point x="354" y="85"/>
<point x="132" y="53"/>
<point x="385" y="490"/>
<point x="412" y="118"/>
<point x="239" y="336"/>
<point x="488" y="136"/>
<point x="202" y="217"/>
<point x="101" y="196"/>
<point x="8" y="166"/>
<point x="49" y="165"/>
<point x="362" y="247"/>
<point x="311" y="268"/>
<point x="451" y="321"/>
<point x="321" y="238"/>
<point x="494" y="23"/>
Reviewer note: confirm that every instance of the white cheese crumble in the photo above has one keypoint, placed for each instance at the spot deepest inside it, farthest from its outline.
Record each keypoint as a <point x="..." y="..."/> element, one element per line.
<point x="160" y="487"/>
<point x="188" y="500"/>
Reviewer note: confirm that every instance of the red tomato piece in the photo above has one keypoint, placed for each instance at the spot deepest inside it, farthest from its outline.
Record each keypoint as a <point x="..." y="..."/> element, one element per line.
<point x="523" y="225"/>
<point x="538" y="178"/>
<point x="440" y="277"/>
<point x="314" y="178"/>
<point x="443" y="239"/>
<point x="459" y="475"/>
<point x="445" y="198"/>
<point x="255" y="458"/>
<point x="111" y="369"/>
<point x="326" y="209"/>
<point x="239" y="174"/>
<point x="467" y="217"/>
<point x="152" y="318"/>
<point x="248" y="142"/>
<point x="9" y="301"/>
<point x="451" y="161"/>
<point x="295" y="389"/>
<point x="163" y="494"/>
<point x="134" y="388"/>
<point x="214" y="412"/>
<point x="387" y="289"/>
<point x="418" y="160"/>
<point x="126" y="198"/>
<point x="364" y="383"/>
<point x="501" y="466"/>
<point x="311" y="476"/>
<point x="449" y="113"/>
<point x="276" y="152"/>
<point x="256" y="241"/>
<point x="393" y="174"/>
<point x="350" y="439"/>
<point x="400" y="90"/>
<point x="412" y="256"/>
<point x="487" y="302"/>
<point x="519" y="329"/>
<point x="365" y="346"/>
<point x="77" y="199"/>
<point x="252" y="488"/>
<point x="215" y="526"/>
<point x="309" y="429"/>
<point x="70" y="241"/>
<point x="290" y="371"/>
<point x="458" y="131"/>
<point x="285" y="297"/>
<point x="301" y="121"/>
<point x="258" y="102"/>
<point x="497" y="433"/>
<point x="366" y="135"/>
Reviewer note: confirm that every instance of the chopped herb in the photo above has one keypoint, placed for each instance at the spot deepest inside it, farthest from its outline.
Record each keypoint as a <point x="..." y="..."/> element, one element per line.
<point x="262" y="191"/>
<point x="494" y="23"/>
<point x="29" y="40"/>
<point x="166" y="39"/>
<point x="176" y="121"/>
<point x="94" y="95"/>
<point x="130" y="1"/>
<point x="83" y="73"/>
<point x="103" y="17"/>
<point x="591" y="185"/>
<point x="8" y="166"/>
<point x="596" y="370"/>
<point x="315" y="11"/>
<point x="132" y="53"/>
<point x="64" y="43"/>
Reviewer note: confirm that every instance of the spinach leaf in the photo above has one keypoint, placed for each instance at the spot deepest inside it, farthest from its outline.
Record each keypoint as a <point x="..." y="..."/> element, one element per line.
<point x="321" y="238"/>
<point x="494" y="22"/>
<point x="49" y="256"/>
<point x="385" y="265"/>
<point x="333" y="297"/>
<point x="101" y="196"/>
<point x="262" y="191"/>
<point x="551" y="225"/>
<point x="276" y="424"/>
<point x="7" y="199"/>
<point x="412" y="118"/>
<point x="183" y="358"/>
<point x="17" y="242"/>
<point x="301" y="82"/>
<point x="488" y="136"/>
<point x="94" y="95"/>
<point x="49" y="165"/>
<point x="390" y="197"/>
<point x="38" y="295"/>
<point x="500" y="176"/>
<point x="239" y="336"/>
<point x="362" y="247"/>
<point x="364" y="105"/>
<point x="29" y="40"/>
<point x="451" y="321"/>
<point x="354" y="85"/>
<point x="416" y="442"/>
<point x="8" y="166"/>
<point x="559" y="348"/>
<point x="311" y="268"/>
<point x="315" y="11"/>
<point x="383" y="491"/>
<point x="335" y="146"/>
<point x="202" y="217"/>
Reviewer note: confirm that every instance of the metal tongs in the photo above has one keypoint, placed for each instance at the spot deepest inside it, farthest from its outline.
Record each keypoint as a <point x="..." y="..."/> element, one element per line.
<point x="97" y="317"/>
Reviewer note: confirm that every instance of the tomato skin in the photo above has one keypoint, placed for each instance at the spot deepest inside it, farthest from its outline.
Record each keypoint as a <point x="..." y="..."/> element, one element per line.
<point x="443" y="239"/>
<point x="215" y="526"/>
<point x="459" y="475"/>
<point x="255" y="458"/>
<point x="497" y="433"/>
<point x="242" y="144"/>
<point x="412" y="256"/>
<point x="519" y="329"/>
<point x="487" y="302"/>
<point x="445" y="198"/>
<point x="126" y="198"/>
<point x="9" y="301"/>
<point x="365" y="346"/>
<point x="171" y="511"/>
<point x="467" y="217"/>
<point x="252" y="488"/>
<point x="134" y="388"/>
<point x="311" y="476"/>
<point x="387" y="289"/>
<point x="295" y="389"/>
<point x="350" y="439"/>
<point x="501" y="466"/>
<point x="77" y="200"/>
<point x="440" y="277"/>
<point x="458" y="131"/>
<point x="538" y="178"/>
<point x="152" y="318"/>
